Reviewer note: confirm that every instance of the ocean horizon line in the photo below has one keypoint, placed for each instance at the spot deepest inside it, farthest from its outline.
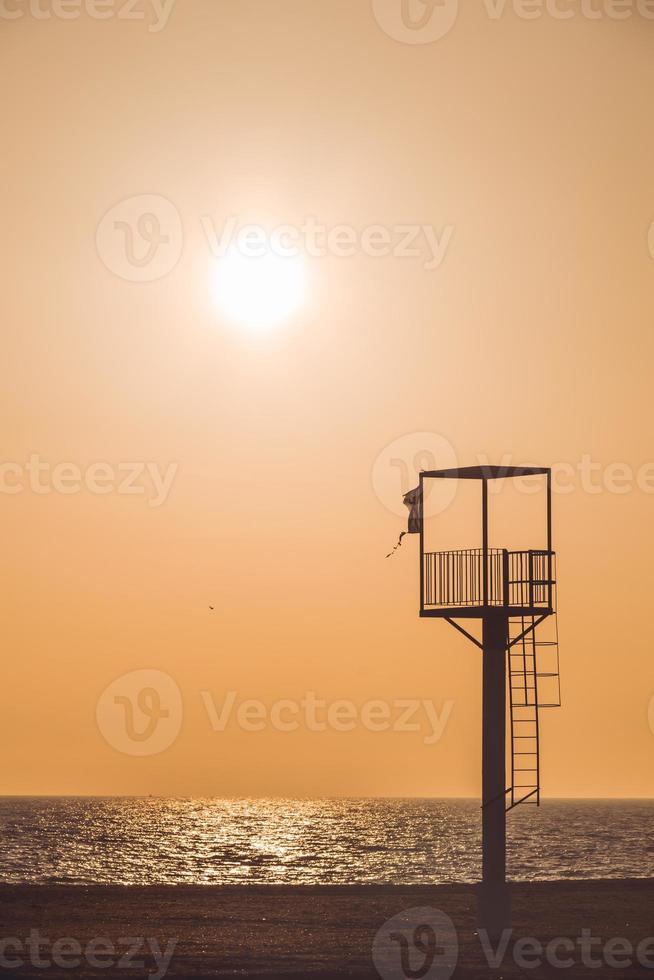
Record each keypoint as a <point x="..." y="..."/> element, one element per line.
<point x="300" y="798"/>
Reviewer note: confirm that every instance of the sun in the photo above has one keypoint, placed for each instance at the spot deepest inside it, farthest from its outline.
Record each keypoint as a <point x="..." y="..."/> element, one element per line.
<point x="259" y="292"/>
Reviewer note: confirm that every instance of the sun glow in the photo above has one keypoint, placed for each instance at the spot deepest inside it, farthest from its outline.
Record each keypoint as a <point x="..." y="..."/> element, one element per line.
<point x="258" y="292"/>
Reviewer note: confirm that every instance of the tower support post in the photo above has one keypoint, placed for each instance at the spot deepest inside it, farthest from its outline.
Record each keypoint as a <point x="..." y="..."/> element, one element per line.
<point x="494" y="905"/>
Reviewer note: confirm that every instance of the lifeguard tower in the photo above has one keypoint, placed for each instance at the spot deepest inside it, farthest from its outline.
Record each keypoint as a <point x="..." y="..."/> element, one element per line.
<point x="511" y="593"/>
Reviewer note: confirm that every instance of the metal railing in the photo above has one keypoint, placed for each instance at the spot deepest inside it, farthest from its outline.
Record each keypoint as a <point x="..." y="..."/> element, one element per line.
<point x="511" y="578"/>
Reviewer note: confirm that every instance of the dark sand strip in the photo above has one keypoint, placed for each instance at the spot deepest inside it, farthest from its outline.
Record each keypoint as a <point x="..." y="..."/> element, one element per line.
<point x="321" y="933"/>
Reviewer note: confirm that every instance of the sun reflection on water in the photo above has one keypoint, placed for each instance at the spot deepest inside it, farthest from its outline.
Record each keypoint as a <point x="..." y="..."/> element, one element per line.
<point x="176" y="841"/>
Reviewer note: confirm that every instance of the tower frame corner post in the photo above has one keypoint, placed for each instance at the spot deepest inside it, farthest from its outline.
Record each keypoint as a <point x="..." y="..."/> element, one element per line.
<point x="421" y="518"/>
<point x="484" y="533"/>
<point x="506" y="584"/>
<point x="550" y="576"/>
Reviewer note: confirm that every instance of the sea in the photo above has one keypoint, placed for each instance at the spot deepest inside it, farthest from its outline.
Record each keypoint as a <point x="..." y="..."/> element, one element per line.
<point x="157" y="841"/>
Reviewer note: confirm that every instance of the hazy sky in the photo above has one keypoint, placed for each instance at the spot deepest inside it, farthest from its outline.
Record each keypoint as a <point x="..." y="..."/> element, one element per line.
<point x="525" y="148"/>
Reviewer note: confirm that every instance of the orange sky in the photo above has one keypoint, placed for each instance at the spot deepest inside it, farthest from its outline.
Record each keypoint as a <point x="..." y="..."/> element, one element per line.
<point x="532" y="139"/>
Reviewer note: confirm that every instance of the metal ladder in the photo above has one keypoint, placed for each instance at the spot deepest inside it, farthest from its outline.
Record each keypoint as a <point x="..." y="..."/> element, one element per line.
<point x="526" y="643"/>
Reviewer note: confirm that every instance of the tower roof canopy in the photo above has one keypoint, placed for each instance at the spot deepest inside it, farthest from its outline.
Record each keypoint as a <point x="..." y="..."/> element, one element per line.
<point x="485" y="472"/>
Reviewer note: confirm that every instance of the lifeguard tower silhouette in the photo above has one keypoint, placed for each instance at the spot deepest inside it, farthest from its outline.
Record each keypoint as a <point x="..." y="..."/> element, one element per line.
<point x="512" y="593"/>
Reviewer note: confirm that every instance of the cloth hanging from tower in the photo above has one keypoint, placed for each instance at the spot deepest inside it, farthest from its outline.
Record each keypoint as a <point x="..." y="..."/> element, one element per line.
<point x="412" y="500"/>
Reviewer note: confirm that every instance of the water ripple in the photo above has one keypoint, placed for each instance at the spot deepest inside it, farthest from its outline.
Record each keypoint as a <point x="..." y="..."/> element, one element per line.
<point x="210" y="841"/>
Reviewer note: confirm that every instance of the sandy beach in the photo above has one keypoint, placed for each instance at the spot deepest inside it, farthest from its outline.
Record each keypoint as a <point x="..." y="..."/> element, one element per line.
<point x="314" y="932"/>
